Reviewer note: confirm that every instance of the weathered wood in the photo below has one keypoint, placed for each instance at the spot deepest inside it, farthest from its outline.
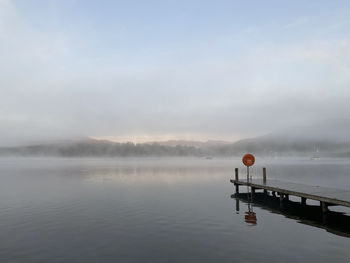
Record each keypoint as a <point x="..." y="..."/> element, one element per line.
<point x="236" y="174"/>
<point x="236" y="179"/>
<point x="264" y="175"/>
<point x="323" y="194"/>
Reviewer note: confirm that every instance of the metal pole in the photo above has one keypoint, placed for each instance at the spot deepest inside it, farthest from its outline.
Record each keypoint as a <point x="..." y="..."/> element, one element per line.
<point x="247" y="174"/>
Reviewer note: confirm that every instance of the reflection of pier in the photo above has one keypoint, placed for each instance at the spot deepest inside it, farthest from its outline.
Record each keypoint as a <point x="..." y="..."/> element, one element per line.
<point x="333" y="222"/>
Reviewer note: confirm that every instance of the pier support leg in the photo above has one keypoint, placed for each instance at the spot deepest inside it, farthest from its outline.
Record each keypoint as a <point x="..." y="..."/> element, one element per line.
<point x="274" y="193"/>
<point x="253" y="190"/>
<point x="281" y="200"/>
<point x="324" y="207"/>
<point x="287" y="197"/>
<point x="265" y="192"/>
<point x="237" y="188"/>
<point x="237" y="205"/>
<point x="303" y="201"/>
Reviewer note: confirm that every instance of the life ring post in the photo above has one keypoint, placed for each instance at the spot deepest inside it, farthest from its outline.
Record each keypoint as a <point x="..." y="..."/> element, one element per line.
<point x="248" y="160"/>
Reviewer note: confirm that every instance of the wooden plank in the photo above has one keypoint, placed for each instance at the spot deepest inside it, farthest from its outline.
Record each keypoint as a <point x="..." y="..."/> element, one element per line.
<point x="323" y="194"/>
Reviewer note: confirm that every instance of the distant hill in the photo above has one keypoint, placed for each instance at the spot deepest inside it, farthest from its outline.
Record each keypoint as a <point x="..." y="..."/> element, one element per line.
<point x="286" y="146"/>
<point x="96" y="148"/>
<point x="197" y="144"/>
<point x="331" y="139"/>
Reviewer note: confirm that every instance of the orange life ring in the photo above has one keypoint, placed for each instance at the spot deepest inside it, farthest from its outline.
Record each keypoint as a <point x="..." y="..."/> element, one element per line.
<point x="248" y="159"/>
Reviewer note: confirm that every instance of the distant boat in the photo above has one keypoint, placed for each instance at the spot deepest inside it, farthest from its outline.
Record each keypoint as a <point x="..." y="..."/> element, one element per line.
<point x="208" y="157"/>
<point x="316" y="155"/>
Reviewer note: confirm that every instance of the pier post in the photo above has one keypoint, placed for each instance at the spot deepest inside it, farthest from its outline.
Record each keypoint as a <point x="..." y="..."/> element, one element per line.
<point x="324" y="207"/>
<point x="264" y="179"/>
<point x="281" y="200"/>
<point x="236" y="179"/>
<point x="237" y="205"/>
<point x="303" y="201"/>
<point x="253" y="190"/>
<point x="264" y="175"/>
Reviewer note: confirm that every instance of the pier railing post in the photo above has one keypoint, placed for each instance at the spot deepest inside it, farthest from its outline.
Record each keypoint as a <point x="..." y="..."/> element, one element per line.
<point x="264" y="178"/>
<point x="236" y="179"/>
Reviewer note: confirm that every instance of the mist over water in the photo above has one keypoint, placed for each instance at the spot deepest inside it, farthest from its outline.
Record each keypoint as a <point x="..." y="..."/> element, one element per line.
<point x="155" y="210"/>
<point x="96" y="96"/>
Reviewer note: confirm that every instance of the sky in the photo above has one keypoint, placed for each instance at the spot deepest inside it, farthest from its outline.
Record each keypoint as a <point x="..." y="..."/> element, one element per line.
<point x="156" y="70"/>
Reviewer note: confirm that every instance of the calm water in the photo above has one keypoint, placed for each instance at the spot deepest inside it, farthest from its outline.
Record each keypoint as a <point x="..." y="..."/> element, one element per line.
<point x="155" y="210"/>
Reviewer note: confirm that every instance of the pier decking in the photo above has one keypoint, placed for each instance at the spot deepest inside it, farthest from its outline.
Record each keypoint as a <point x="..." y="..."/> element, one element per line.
<point x="326" y="196"/>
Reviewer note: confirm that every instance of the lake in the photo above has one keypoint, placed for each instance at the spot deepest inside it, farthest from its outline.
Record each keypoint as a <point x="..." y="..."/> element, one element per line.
<point x="157" y="210"/>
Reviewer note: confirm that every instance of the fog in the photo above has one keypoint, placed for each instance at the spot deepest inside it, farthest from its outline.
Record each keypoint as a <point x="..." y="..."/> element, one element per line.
<point x="172" y="70"/>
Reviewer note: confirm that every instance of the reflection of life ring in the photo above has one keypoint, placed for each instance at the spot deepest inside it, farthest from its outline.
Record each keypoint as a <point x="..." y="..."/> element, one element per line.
<point x="250" y="218"/>
<point x="248" y="159"/>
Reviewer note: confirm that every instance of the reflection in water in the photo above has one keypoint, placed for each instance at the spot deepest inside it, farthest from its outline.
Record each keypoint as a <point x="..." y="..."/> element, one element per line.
<point x="153" y="210"/>
<point x="334" y="222"/>
<point x="250" y="215"/>
<point x="250" y="218"/>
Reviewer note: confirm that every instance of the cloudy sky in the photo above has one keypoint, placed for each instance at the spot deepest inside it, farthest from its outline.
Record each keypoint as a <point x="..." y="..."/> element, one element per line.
<point x="156" y="70"/>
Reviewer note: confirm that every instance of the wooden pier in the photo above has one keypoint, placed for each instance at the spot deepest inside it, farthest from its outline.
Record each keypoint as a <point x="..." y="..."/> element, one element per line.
<point x="326" y="196"/>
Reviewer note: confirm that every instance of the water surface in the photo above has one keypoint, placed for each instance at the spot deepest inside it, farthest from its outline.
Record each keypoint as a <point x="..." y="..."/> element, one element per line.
<point x="156" y="210"/>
